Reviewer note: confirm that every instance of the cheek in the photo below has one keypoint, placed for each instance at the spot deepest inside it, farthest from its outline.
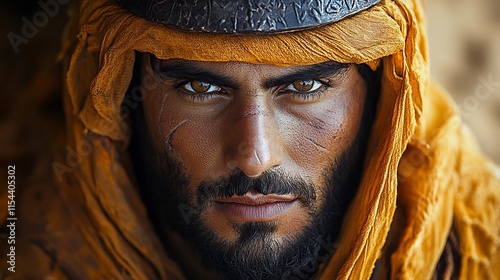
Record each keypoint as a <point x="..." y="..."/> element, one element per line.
<point x="185" y="135"/>
<point x="318" y="135"/>
<point x="199" y="146"/>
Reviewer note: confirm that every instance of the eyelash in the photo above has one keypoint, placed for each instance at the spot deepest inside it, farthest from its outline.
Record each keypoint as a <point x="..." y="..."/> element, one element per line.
<point x="308" y="96"/>
<point x="313" y="95"/>
<point x="192" y="96"/>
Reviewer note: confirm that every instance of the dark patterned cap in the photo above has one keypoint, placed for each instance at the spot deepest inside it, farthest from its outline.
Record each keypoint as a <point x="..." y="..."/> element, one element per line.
<point x="248" y="16"/>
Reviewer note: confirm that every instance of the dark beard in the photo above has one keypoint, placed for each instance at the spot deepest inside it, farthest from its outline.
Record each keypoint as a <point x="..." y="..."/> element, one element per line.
<point x="255" y="255"/>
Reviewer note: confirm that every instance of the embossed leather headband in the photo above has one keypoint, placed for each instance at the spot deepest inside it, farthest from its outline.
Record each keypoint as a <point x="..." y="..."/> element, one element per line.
<point x="248" y="16"/>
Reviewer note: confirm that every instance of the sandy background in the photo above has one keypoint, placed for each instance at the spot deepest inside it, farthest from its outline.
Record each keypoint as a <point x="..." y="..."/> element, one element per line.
<point x="464" y="39"/>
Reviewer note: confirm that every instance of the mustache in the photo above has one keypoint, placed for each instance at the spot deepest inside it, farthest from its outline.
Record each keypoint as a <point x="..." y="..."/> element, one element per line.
<point x="269" y="182"/>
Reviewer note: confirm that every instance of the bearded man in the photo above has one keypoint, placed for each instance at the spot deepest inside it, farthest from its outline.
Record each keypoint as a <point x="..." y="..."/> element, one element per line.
<point x="261" y="140"/>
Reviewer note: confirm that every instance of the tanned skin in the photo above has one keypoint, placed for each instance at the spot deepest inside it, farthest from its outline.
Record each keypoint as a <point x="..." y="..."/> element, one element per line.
<point x="247" y="170"/>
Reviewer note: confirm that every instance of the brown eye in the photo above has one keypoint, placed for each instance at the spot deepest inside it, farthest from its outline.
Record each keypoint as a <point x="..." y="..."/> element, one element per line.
<point x="201" y="87"/>
<point x="304" y="86"/>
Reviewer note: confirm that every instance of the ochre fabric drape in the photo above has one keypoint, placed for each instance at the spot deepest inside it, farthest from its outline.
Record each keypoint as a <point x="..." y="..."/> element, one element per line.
<point x="423" y="176"/>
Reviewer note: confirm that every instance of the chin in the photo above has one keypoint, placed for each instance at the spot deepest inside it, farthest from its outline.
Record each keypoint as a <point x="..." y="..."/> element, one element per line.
<point x="261" y="250"/>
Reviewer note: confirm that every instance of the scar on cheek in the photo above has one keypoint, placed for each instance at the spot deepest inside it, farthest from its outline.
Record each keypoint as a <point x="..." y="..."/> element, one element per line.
<point x="318" y="146"/>
<point x="168" y="139"/>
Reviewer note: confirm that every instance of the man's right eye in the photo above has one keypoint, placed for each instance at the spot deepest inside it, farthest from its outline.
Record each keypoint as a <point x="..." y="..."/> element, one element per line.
<point x="201" y="87"/>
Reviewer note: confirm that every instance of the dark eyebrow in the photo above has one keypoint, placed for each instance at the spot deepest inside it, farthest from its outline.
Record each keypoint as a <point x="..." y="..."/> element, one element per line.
<point x="316" y="71"/>
<point x="190" y="71"/>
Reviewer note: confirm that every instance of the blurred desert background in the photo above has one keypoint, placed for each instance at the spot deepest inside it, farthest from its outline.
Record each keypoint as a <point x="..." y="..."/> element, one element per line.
<point x="464" y="38"/>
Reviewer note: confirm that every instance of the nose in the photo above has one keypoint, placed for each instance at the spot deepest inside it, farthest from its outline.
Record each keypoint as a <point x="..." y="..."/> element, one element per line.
<point x="253" y="144"/>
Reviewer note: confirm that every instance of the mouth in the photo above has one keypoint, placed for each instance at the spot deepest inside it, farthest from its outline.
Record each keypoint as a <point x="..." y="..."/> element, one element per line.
<point x="255" y="207"/>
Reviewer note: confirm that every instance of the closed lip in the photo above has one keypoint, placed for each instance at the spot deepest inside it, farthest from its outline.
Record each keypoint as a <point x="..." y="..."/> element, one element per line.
<point x="253" y="207"/>
<point x="256" y="199"/>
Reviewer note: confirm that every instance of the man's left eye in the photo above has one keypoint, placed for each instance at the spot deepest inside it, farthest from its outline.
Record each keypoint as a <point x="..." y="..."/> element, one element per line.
<point x="304" y="86"/>
<point x="201" y="87"/>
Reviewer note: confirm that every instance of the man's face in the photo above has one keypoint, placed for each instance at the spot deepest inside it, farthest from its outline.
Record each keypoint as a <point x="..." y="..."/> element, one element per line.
<point x="252" y="162"/>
